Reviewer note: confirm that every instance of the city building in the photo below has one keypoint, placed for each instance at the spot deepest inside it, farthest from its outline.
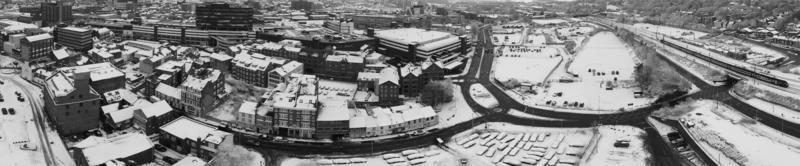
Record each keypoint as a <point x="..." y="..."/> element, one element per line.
<point x="320" y="37"/>
<point x="190" y="161"/>
<point x="281" y="74"/>
<point x="295" y="107"/>
<point x="128" y="148"/>
<point x="71" y="103"/>
<point x="394" y="120"/>
<point x="304" y="5"/>
<point x="411" y="44"/>
<point x="388" y="86"/>
<point x="122" y="118"/>
<point x="79" y="39"/>
<point x="333" y="121"/>
<point x="36" y="48"/>
<point x="189" y="136"/>
<point x="219" y="61"/>
<point x="202" y="91"/>
<point x="343" y="65"/>
<point x="104" y="76"/>
<point x="246" y="116"/>
<point x="374" y="21"/>
<point x="54" y="13"/>
<point x="223" y="16"/>
<point x="169" y="94"/>
<point x="153" y="116"/>
<point x="342" y="26"/>
<point x="190" y="35"/>
<point x="254" y="68"/>
<point x="410" y="81"/>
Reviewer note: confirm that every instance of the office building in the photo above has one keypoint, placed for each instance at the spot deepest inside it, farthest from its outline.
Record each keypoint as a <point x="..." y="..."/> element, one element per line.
<point x="295" y="107"/>
<point x="343" y="65"/>
<point x="411" y="44"/>
<point x="54" y="13"/>
<point x="75" y="38"/>
<point x="333" y="121"/>
<point x="222" y="16"/>
<point x="36" y="47"/>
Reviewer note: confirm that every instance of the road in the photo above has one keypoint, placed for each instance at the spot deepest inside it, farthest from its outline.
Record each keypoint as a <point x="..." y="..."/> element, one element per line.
<point x="480" y="72"/>
<point x="35" y="101"/>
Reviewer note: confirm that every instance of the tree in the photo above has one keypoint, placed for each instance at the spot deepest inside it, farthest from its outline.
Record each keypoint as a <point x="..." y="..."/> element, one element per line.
<point x="236" y="156"/>
<point x="437" y="92"/>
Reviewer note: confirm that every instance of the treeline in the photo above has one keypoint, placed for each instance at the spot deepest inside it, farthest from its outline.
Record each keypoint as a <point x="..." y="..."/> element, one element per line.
<point x="654" y="75"/>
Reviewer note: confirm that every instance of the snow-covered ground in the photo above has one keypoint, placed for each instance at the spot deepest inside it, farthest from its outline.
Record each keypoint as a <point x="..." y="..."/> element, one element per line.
<point x="456" y="111"/>
<point x="432" y="156"/>
<point x="518" y="113"/>
<point x="18" y="130"/>
<point x="606" y="154"/>
<point x="482" y="96"/>
<point x="536" y="40"/>
<point x="734" y="139"/>
<point x="775" y="110"/>
<point x="507" y="39"/>
<point x="671" y="31"/>
<point x="603" y="54"/>
<point x="526" y="64"/>
<point x="548" y="21"/>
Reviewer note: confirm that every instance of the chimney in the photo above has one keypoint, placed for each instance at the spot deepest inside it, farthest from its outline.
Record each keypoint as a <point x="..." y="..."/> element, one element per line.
<point x="81" y="81"/>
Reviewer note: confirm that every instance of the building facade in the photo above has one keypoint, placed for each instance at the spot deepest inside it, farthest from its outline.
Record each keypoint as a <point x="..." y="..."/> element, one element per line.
<point x="36" y="48"/>
<point x="202" y="91"/>
<point x="189" y="136"/>
<point x="75" y="38"/>
<point x="56" y="12"/>
<point x="222" y="16"/>
<point x="71" y="103"/>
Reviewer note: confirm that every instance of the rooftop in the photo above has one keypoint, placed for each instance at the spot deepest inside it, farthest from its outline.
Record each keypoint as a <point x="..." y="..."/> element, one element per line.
<point x="347" y="56"/>
<point x="333" y="110"/>
<point x="330" y="89"/>
<point x="99" y="71"/>
<point x="199" y="81"/>
<point x="157" y="109"/>
<point x="38" y="37"/>
<point x="76" y="29"/>
<point x="256" y="61"/>
<point x="169" y="90"/>
<point x="187" y="128"/>
<point x="248" y="107"/>
<point x="389" y="74"/>
<point x="117" y="147"/>
<point x="426" y="39"/>
<point x="190" y="161"/>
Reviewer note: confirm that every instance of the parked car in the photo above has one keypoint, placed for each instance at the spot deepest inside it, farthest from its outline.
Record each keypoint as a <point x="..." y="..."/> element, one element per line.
<point x="12" y="111"/>
<point x="161" y="148"/>
<point x="169" y="160"/>
<point x="21" y="99"/>
<point x="5" y="111"/>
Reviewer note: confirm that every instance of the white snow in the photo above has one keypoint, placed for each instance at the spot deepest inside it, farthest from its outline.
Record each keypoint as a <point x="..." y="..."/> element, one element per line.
<point x="18" y="128"/>
<point x="606" y="154"/>
<point x="716" y="126"/>
<point x="548" y="21"/>
<point x="671" y="31"/>
<point x="526" y="64"/>
<point x="456" y="111"/>
<point x="775" y="110"/>
<point x="482" y="96"/>
<point x="513" y="39"/>
<point x="431" y="155"/>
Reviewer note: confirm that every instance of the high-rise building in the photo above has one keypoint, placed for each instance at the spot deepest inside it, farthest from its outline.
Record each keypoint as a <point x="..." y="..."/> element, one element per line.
<point x="223" y="16"/>
<point x="75" y="38"/>
<point x="56" y="12"/>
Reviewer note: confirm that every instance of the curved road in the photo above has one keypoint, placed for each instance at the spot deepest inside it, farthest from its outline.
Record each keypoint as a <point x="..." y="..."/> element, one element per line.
<point x="480" y="71"/>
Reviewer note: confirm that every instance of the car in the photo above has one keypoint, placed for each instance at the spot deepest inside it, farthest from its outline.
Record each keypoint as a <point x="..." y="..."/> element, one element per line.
<point x="5" y="111"/>
<point x="21" y="99"/>
<point x="161" y="148"/>
<point x="12" y="111"/>
<point x="17" y="93"/>
<point x="169" y="160"/>
<point x="463" y="161"/>
<point x="439" y="141"/>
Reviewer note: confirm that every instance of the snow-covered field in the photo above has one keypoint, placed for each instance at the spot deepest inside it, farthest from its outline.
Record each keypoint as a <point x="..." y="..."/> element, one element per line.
<point x="671" y="31"/>
<point x="734" y="139"/>
<point x="548" y="21"/>
<point x="18" y="130"/>
<point x="606" y="154"/>
<point x="611" y="62"/>
<point x="482" y="96"/>
<point x="456" y="111"/>
<point x="526" y="64"/>
<point x="536" y="40"/>
<point x="507" y="39"/>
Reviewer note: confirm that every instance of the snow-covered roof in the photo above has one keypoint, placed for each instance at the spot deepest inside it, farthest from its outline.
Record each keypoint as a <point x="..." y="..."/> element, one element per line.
<point x="110" y="108"/>
<point x="76" y="29"/>
<point x="118" y="147"/>
<point x="336" y="89"/>
<point x="426" y="40"/>
<point x="333" y="110"/>
<point x="199" y="83"/>
<point x="187" y="128"/>
<point x="389" y="74"/>
<point x="256" y="61"/>
<point x="34" y="38"/>
<point x="157" y="109"/>
<point x="248" y="107"/>
<point x="190" y="161"/>
<point x="168" y="90"/>
<point x="99" y="71"/>
<point x="410" y="69"/>
<point x="368" y="76"/>
<point x="60" y="54"/>
<point x="126" y="114"/>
